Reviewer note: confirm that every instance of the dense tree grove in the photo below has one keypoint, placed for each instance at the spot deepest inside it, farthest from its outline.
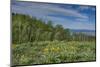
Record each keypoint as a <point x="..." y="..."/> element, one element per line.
<point x="29" y="29"/>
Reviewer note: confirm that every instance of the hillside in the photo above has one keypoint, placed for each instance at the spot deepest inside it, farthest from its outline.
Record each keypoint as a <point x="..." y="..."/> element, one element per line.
<point x="87" y="32"/>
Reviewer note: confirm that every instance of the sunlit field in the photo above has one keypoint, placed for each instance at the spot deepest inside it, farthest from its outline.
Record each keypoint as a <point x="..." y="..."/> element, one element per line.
<point x="51" y="33"/>
<point x="53" y="52"/>
<point x="36" y="42"/>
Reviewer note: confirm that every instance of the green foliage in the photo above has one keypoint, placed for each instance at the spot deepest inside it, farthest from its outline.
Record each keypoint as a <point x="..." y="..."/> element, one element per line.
<point x="33" y="29"/>
<point x="38" y="42"/>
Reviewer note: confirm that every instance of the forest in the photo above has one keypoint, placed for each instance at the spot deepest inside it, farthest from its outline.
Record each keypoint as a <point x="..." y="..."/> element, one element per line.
<point x="33" y="29"/>
<point x="35" y="41"/>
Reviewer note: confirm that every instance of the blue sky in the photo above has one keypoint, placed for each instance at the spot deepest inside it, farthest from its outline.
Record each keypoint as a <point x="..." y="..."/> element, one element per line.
<point x="68" y="15"/>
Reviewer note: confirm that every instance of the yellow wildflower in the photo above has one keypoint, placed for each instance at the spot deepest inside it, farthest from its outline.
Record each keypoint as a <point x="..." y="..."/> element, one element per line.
<point x="52" y="48"/>
<point x="55" y="49"/>
<point x="46" y="49"/>
<point x="58" y="48"/>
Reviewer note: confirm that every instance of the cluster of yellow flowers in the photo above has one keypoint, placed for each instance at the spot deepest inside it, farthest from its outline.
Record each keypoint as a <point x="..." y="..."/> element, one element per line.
<point x="46" y="49"/>
<point x="55" y="49"/>
<point x="51" y="49"/>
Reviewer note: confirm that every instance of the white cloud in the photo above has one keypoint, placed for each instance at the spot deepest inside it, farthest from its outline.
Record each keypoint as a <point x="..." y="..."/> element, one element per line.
<point x="43" y="10"/>
<point x="46" y="9"/>
<point x="68" y="12"/>
<point x="86" y="8"/>
<point x="83" y="7"/>
<point x="72" y="24"/>
<point x="81" y="20"/>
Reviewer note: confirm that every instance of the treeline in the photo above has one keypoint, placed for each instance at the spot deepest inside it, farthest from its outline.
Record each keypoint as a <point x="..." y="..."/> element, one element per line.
<point x="29" y="29"/>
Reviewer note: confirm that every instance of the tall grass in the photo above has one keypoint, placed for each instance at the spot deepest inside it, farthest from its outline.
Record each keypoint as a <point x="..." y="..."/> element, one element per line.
<point x="52" y="52"/>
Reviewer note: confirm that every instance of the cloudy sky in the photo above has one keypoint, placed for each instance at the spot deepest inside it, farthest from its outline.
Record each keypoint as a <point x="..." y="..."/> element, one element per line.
<point x="68" y="15"/>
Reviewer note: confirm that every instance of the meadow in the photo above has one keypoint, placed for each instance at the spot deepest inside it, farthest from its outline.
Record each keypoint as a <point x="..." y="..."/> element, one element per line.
<point x="53" y="52"/>
<point x="37" y="42"/>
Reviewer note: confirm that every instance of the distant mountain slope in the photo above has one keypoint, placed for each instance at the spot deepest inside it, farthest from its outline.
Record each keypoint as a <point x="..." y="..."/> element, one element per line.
<point x="87" y="32"/>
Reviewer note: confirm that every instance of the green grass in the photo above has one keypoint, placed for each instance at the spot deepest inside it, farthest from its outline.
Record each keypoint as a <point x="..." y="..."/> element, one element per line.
<point x="46" y="52"/>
